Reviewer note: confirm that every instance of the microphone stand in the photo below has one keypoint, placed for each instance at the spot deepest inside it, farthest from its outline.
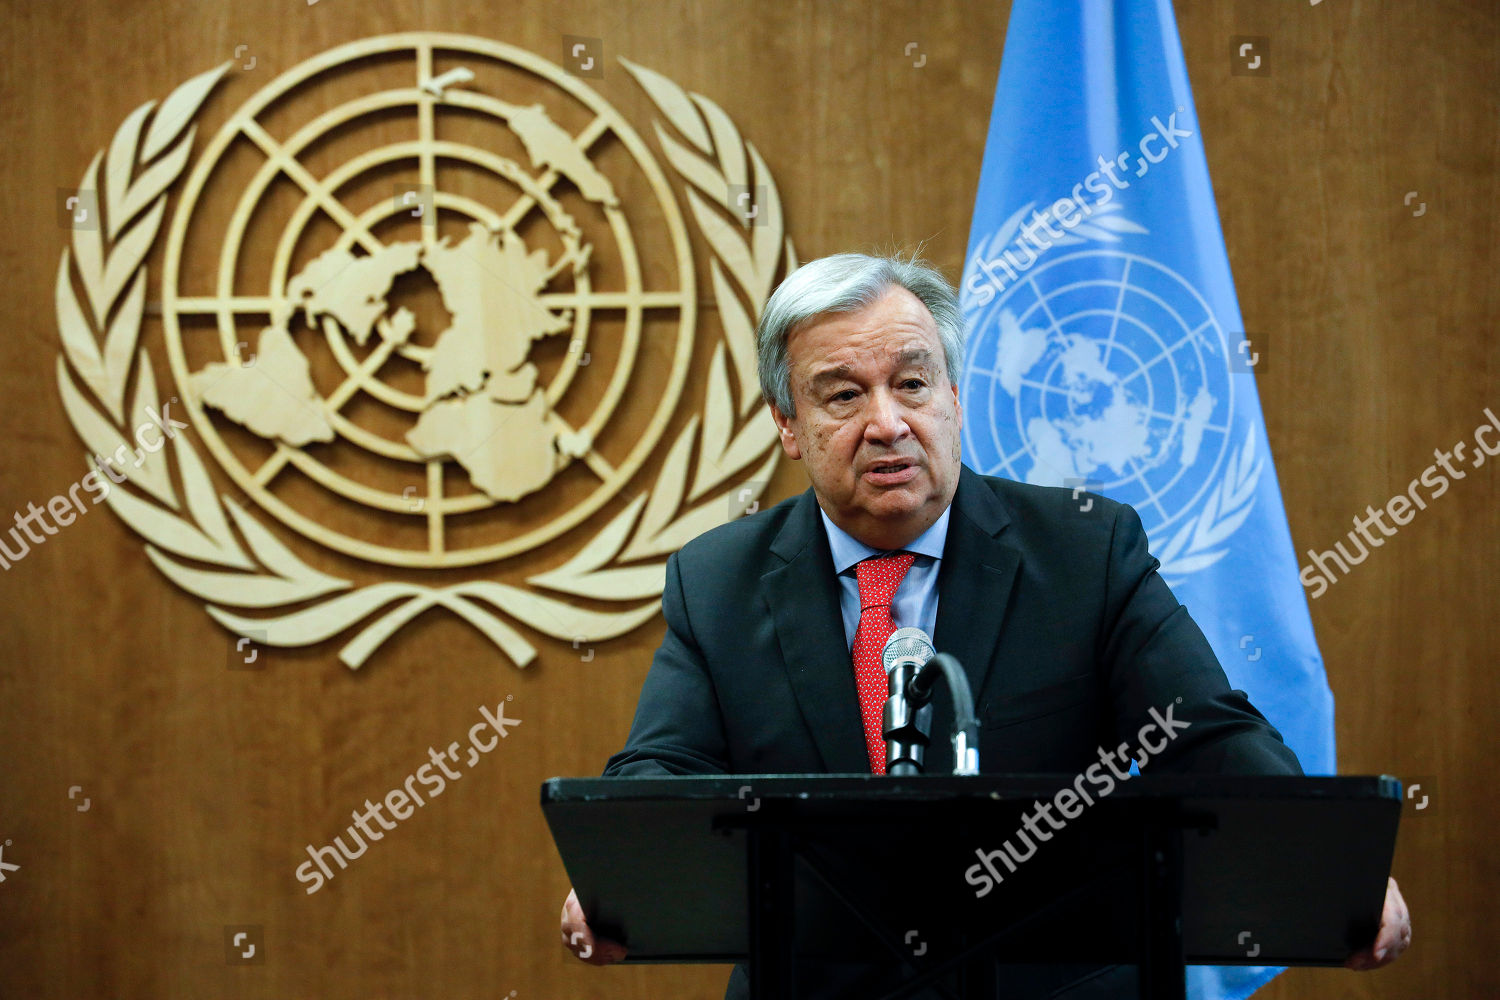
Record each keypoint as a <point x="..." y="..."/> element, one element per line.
<point x="908" y="716"/>
<point x="907" y="725"/>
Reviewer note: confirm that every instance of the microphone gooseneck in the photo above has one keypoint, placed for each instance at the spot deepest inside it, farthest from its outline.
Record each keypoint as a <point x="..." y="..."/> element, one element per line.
<point x="965" y="722"/>
<point x="912" y="667"/>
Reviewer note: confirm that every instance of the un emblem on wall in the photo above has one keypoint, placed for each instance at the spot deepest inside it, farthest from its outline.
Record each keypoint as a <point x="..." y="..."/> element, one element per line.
<point x="464" y="343"/>
<point x="1105" y="370"/>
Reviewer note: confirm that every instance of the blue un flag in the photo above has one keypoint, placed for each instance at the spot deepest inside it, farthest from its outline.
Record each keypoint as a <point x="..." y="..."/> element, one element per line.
<point x="1107" y="353"/>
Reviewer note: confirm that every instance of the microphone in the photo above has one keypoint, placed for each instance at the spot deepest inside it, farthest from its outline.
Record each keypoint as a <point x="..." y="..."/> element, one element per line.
<point x="906" y="646"/>
<point x="906" y="723"/>
<point x="912" y="667"/>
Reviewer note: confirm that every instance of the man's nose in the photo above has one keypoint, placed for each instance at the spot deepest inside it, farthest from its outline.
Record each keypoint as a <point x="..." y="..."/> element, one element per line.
<point x="885" y="418"/>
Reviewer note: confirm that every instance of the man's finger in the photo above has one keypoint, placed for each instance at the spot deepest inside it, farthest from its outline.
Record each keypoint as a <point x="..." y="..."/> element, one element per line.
<point x="1392" y="938"/>
<point x="1395" y="930"/>
<point x="580" y="940"/>
<point x="586" y="948"/>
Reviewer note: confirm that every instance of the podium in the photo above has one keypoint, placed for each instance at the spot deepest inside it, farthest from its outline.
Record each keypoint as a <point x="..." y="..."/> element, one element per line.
<point x="939" y="884"/>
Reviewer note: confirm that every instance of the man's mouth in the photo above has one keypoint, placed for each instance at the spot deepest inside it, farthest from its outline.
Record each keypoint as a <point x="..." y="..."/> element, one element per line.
<point x="892" y="473"/>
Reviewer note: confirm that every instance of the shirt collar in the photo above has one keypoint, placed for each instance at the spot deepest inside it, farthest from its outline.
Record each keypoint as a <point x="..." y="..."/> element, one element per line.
<point x="847" y="550"/>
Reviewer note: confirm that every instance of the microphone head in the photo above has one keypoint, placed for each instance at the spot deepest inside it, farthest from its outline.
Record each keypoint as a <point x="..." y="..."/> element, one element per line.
<point x="907" y="646"/>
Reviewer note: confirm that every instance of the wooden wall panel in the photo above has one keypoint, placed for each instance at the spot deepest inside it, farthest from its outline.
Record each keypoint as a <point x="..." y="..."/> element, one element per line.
<point x="205" y="782"/>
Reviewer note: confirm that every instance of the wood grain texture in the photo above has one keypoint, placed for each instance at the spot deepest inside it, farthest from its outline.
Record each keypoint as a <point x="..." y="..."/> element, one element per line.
<point x="205" y="782"/>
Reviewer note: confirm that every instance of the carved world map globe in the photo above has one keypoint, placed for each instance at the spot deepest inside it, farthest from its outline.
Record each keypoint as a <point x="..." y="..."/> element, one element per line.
<point x="513" y="269"/>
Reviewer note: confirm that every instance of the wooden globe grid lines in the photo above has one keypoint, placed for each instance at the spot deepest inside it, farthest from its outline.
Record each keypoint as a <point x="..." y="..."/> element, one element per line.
<point x="534" y="192"/>
<point x="360" y="372"/>
<point x="633" y="300"/>
<point x="281" y="157"/>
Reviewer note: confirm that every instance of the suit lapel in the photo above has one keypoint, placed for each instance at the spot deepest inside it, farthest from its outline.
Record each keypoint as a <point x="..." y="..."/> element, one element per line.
<point x="974" y="583"/>
<point x="804" y="600"/>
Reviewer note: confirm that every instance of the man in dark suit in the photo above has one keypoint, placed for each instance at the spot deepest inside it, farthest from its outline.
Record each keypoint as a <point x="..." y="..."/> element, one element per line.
<point x="1068" y="636"/>
<point x="1051" y="602"/>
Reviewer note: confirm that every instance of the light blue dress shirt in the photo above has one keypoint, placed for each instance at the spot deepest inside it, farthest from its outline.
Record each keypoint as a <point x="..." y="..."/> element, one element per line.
<point x="917" y="597"/>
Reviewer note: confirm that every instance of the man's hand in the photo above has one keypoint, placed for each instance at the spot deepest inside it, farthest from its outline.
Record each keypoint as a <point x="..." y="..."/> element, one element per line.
<point x="578" y="939"/>
<point x="1392" y="938"/>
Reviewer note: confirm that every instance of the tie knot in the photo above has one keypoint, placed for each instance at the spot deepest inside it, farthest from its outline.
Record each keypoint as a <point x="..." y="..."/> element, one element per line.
<point x="880" y="577"/>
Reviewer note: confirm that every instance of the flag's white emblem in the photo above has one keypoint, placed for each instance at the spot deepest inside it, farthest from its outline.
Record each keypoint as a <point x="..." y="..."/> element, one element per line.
<point x="1105" y="370"/>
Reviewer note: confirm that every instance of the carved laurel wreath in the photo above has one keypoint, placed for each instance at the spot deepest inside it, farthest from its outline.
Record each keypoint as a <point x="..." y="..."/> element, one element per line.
<point x="211" y="547"/>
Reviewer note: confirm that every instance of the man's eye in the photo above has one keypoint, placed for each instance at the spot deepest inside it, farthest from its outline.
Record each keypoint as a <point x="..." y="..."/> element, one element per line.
<point x="913" y="383"/>
<point x="845" y="396"/>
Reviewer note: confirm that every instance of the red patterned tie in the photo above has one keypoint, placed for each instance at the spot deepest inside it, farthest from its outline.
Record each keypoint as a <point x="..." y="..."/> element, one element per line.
<point x="878" y="579"/>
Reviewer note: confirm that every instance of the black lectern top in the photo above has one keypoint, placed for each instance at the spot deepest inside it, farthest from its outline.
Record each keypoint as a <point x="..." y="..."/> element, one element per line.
<point x="1274" y="870"/>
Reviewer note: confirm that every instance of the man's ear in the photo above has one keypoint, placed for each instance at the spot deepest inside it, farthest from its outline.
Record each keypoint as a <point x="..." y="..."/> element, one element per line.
<point x="788" y="435"/>
<point x="958" y="406"/>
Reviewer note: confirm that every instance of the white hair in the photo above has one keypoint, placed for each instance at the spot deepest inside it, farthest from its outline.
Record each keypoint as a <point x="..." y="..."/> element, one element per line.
<point x="841" y="283"/>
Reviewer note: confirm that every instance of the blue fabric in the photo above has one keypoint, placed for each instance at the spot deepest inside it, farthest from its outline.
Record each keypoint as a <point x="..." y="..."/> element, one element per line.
<point x="1106" y="349"/>
<point x="916" y="599"/>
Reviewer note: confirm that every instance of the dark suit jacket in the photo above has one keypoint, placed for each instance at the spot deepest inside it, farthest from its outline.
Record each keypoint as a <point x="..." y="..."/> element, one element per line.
<point x="1068" y="635"/>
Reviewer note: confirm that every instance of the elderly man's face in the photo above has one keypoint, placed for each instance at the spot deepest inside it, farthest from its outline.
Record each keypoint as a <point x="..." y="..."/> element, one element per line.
<point x="877" y="418"/>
